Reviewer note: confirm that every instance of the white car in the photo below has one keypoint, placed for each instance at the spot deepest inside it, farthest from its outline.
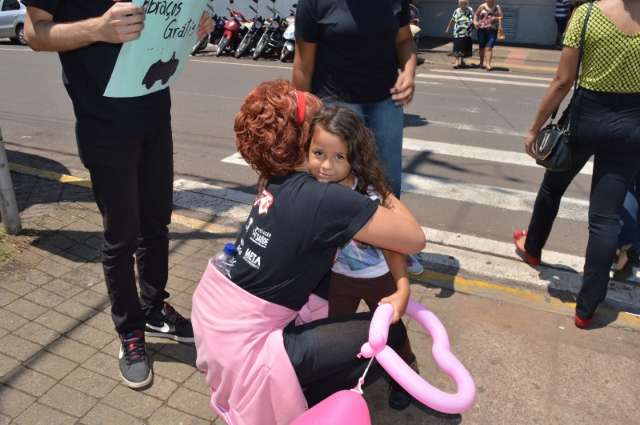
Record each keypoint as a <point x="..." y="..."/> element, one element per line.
<point x="12" y="15"/>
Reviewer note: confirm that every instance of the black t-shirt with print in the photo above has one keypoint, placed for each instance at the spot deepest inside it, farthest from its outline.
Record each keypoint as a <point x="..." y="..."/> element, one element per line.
<point x="356" y="59"/>
<point x="289" y="242"/>
<point x="86" y="73"/>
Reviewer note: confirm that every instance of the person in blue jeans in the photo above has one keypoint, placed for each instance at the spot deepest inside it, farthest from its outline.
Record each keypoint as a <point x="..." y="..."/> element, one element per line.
<point x="629" y="239"/>
<point x="361" y="55"/>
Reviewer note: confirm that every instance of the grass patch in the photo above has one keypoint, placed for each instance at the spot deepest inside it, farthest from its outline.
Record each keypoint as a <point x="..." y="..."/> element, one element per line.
<point x="7" y="247"/>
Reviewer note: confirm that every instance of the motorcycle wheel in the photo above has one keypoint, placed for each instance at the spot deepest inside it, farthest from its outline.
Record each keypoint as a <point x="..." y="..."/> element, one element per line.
<point x="260" y="47"/>
<point x="244" y="45"/>
<point x="284" y="55"/>
<point x="223" y="45"/>
<point x="200" y="46"/>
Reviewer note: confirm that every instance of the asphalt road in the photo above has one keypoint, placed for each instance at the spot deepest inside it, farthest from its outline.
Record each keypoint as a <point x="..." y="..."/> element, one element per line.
<point x="453" y="188"/>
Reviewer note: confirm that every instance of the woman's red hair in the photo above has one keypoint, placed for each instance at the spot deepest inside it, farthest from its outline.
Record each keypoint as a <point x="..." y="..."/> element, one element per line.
<point x="268" y="135"/>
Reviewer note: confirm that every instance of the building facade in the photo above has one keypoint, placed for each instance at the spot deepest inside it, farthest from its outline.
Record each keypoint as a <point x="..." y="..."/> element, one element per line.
<point x="526" y="21"/>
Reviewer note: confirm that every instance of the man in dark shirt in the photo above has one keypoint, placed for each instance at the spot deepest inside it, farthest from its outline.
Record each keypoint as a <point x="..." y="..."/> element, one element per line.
<point x="126" y="145"/>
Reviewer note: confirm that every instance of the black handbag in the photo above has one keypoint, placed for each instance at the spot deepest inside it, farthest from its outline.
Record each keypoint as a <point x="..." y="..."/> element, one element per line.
<point x="551" y="148"/>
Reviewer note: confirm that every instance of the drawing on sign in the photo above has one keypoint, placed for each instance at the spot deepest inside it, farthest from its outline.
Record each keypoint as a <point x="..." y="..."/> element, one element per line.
<point x="161" y="71"/>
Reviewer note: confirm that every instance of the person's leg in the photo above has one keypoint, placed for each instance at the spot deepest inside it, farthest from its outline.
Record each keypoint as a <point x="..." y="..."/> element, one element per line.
<point x="116" y="194"/>
<point x="612" y="175"/>
<point x="386" y="120"/>
<point x="488" y="56"/>
<point x="545" y="208"/>
<point x="482" y="43"/>
<point x="342" y="296"/>
<point x="155" y="200"/>
<point x="323" y="353"/>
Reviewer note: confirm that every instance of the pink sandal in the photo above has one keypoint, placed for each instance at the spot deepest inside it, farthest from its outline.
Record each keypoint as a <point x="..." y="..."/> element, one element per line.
<point x="526" y="257"/>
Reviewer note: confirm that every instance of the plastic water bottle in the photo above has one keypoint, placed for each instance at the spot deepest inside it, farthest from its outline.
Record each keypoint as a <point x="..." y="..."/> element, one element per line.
<point x="224" y="261"/>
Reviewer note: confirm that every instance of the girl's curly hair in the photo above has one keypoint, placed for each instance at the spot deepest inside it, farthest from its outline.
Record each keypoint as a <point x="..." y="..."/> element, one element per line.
<point x="361" y="147"/>
<point x="268" y="135"/>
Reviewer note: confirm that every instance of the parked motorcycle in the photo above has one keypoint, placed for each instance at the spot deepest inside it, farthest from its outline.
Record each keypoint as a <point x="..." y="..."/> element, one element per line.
<point x="234" y="31"/>
<point x="289" y="37"/>
<point x="253" y="34"/>
<point x="271" y="39"/>
<point x="213" y="38"/>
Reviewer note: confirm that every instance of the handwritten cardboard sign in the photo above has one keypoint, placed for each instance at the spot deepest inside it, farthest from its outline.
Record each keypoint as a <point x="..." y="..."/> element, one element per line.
<point x="155" y="60"/>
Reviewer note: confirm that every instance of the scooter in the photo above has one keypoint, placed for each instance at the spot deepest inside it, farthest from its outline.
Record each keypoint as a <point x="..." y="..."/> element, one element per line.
<point x="289" y="36"/>
<point x="271" y="40"/>
<point x="253" y="34"/>
<point x="233" y="31"/>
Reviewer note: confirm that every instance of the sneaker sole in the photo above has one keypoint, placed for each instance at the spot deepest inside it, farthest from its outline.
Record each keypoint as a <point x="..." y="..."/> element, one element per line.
<point x="137" y="385"/>
<point x="185" y="340"/>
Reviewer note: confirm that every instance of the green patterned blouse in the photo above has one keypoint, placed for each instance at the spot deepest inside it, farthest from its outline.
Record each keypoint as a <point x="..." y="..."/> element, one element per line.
<point x="611" y="61"/>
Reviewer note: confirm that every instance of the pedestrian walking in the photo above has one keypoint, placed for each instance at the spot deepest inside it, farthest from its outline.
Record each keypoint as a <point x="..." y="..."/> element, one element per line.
<point x="261" y="367"/>
<point x="488" y="22"/>
<point x="605" y="123"/>
<point x="361" y="55"/>
<point x="126" y="144"/>
<point x="342" y="150"/>
<point x="462" y="22"/>
<point x="563" y="10"/>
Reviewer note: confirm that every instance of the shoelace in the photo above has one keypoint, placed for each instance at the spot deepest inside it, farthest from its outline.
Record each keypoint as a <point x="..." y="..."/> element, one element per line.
<point x="133" y="344"/>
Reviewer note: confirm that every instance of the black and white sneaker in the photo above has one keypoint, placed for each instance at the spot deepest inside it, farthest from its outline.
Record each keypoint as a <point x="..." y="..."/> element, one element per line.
<point x="168" y="323"/>
<point x="134" y="364"/>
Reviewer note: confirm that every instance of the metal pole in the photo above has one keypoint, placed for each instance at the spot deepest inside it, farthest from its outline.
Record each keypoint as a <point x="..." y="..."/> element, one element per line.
<point x="8" y="204"/>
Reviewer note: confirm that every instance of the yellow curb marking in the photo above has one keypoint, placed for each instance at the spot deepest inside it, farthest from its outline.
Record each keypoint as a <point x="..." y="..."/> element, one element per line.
<point x="456" y="283"/>
<point x="527" y="297"/>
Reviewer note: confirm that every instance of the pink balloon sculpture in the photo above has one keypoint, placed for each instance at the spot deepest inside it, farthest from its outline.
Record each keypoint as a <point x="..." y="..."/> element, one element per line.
<point x="415" y="385"/>
<point x="348" y="406"/>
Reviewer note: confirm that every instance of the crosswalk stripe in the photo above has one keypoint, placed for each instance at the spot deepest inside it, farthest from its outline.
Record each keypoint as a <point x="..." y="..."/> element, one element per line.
<point x="481" y="80"/>
<point x="473" y="152"/>
<point x="487" y="75"/>
<point x="473" y="193"/>
<point x="217" y="200"/>
<point x="487" y="195"/>
<point x="460" y="151"/>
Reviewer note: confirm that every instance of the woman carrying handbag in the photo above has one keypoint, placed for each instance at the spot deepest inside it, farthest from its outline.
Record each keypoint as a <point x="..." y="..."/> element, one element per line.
<point x="604" y="123"/>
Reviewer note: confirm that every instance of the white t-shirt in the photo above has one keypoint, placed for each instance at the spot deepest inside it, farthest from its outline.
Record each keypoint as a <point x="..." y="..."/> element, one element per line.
<point x="360" y="260"/>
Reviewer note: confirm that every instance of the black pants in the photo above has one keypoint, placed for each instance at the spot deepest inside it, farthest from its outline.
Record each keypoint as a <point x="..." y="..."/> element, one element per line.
<point x="323" y="353"/>
<point x="134" y="196"/>
<point x="607" y="126"/>
<point x="562" y="27"/>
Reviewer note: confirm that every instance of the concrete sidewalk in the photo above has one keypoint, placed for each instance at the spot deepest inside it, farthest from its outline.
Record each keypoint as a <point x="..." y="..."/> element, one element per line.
<point x="58" y="349"/>
<point x="524" y="59"/>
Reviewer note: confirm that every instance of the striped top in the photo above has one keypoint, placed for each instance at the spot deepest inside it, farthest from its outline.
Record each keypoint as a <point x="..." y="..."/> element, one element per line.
<point x="562" y="8"/>
<point x="611" y="60"/>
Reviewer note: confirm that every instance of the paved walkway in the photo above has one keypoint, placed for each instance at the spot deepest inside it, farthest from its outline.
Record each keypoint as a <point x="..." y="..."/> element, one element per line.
<point x="58" y="349"/>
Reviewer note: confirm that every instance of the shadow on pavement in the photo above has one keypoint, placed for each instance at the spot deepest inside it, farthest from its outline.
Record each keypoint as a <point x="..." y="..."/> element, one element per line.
<point x="440" y="272"/>
<point x="413" y="120"/>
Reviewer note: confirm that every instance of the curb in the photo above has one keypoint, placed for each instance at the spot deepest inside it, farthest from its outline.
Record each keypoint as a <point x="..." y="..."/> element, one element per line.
<point x="488" y="270"/>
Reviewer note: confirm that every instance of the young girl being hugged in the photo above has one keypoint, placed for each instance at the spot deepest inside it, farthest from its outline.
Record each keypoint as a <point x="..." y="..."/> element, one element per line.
<point x="462" y="22"/>
<point x="341" y="149"/>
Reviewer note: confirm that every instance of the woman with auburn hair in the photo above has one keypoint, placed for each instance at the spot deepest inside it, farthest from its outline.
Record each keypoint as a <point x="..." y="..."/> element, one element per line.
<point x="263" y="365"/>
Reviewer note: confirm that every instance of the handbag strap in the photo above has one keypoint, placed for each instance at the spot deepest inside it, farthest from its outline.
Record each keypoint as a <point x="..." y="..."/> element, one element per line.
<point x="580" y="55"/>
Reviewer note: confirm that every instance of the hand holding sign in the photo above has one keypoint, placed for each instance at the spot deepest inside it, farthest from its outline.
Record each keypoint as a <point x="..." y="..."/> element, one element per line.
<point x="155" y="57"/>
<point x="206" y="25"/>
<point x="121" y="23"/>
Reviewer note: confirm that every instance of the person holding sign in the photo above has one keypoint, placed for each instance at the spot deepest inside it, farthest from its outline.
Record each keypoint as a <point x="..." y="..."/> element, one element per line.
<point x="126" y="144"/>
